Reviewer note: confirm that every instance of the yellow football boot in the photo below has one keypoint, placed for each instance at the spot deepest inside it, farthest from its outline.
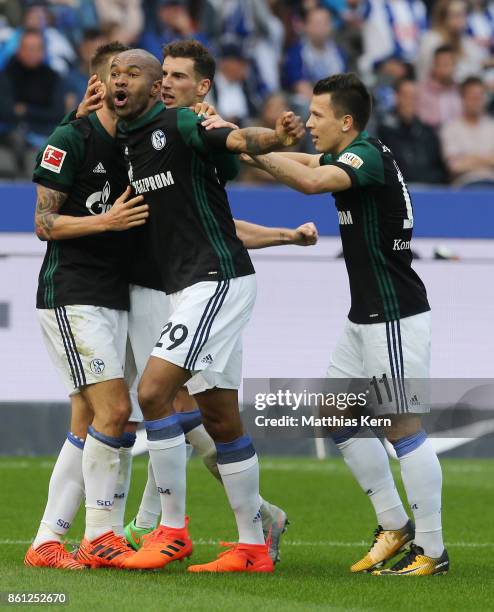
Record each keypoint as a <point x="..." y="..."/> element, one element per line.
<point x="415" y="563"/>
<point x="387" y="544"/>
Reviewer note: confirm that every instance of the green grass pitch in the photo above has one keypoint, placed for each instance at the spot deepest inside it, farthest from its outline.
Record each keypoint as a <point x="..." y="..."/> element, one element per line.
<point x="331" y="526"/>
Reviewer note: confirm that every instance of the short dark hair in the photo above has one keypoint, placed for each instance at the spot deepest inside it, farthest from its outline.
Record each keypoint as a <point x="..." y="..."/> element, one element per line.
<point x="103" y="54"/>
<point x="444" y="49"/>
<point x="204" y="63"/>
<point x="469" y="82"/>
<point x="349" y="96"/>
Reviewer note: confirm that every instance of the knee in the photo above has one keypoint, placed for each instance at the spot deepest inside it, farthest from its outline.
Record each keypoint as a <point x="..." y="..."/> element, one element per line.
<point x="120" y="412"/>
<point x="220" y="430"/>
<point x="151" y="400"/>
<point x="401" y="427"/>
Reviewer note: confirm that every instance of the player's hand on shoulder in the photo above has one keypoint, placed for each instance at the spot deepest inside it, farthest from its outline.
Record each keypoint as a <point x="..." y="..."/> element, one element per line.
<point x="204" y="108"/>
<point x="213" y="122"/>
<point x="306" y="235"/>
<point x="289" y="128"/>
<point x="212" y="119"/>
<point x="126" y="212"/>
<point x="93" y="98"/>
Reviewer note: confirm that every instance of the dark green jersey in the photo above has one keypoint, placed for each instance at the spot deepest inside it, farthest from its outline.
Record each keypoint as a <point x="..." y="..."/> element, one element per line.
<point x="82" y="160"/>
<point x="376" y="221"/>
<point x="170" y="159"/>
<point x="144" y="269"/>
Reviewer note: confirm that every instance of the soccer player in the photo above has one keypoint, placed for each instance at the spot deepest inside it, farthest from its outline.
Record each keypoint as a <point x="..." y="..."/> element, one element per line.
<point x="387" y="336"/>
<point x="211" y="280"/>
<point x="188" y="72"/>
<point x="66" y="484"/>
<point x="82" y="305"/>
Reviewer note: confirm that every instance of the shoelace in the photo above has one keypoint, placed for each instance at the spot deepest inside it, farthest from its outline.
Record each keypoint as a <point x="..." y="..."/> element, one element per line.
<point x="377" y="533"/>
<point x="407" y="559"/>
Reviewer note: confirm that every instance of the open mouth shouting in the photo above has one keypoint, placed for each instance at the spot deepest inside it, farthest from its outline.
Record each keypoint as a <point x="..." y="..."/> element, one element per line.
<point x="120" y="98"/>
<point x="168" y="97"/>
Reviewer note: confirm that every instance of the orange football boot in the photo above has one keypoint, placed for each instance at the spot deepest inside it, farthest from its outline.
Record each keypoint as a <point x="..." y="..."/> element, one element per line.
<point x="109" y="550"/>
<point x="239" y="558"/>
<point x="51" y="554"/>
<point x="160" y="547"/>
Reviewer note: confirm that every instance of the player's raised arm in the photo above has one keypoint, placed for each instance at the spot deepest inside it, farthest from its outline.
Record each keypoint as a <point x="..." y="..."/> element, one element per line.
<point x="298" y="176"/>
<point x="307" y="159"/>
<point x="256" y="236"/>
<point x="51" y="225"/>
<point x="256" y="140"/>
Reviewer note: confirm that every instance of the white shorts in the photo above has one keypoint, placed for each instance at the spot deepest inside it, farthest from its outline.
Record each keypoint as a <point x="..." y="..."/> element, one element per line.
<point x="204" y="331"/>
<point x="148" y="309"/>
<point x="86" y="343"/>
<point x="395" y="356"/>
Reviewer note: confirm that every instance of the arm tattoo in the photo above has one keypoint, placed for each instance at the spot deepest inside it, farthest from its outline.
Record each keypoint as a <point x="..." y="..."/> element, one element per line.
<point x="255" y="140"/>
<point x="274" y="169"/>
<point x="48" y="204"/>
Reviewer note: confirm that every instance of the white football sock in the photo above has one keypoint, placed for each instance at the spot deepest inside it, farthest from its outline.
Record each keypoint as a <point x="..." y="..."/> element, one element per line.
<point x="166" y="444"/>
<point x="150" y="508"/>
<point x="204" y="446"/>
<point x="422" y="477"/>
<point x="368" y="461"/>
<point x="121" y="490"/>
<point x="65" y="492"/>
<point x="239" y="470"/>
<point x="100" y="464"/>
<point x="241" y="482"/>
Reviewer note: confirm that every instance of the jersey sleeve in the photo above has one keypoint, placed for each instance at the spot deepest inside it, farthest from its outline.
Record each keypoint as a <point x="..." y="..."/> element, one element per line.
<point x="59" y="160"/>
<point x="362" y="162"/>
<point x="227" y="164"/>
<point x="192" y="132"/>
<point x="71" y="116"/>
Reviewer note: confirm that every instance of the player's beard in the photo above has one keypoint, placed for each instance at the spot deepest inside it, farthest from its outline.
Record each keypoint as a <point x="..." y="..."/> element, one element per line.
<point x="109" y="102"/>
<point x="134" y="108"/>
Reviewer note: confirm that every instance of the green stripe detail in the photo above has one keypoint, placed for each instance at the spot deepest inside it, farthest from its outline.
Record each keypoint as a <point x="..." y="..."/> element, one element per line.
<point x="383" y="278"/>
<point x="208" y="219"/>
<point x="395" y="307"/>
<point x="52" y="264"/>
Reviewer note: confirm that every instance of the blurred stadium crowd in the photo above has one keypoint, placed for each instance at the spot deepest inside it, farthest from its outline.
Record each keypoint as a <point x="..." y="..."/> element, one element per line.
<point x="430" y="65"/>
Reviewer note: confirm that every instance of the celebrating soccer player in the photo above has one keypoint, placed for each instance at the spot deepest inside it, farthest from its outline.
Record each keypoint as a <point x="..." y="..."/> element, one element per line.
<point x="211" y="280"/>
<point x="387" y="336"/>
<point x="188" y="72"/>
<point x="82" y="305"/>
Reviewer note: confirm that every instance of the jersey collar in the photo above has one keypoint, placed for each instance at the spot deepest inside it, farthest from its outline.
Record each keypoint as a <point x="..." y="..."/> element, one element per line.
<point x="360" y="136"/>
<point x="98" y="126"/>
<point x="147" y="117"/>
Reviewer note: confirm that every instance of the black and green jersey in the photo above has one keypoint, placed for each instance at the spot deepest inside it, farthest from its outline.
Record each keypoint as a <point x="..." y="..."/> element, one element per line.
<point x="171" y="160"/>
<point x="82" y="160"/>
<point x="376" y="222"/>
<point x="143" y="266"/>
